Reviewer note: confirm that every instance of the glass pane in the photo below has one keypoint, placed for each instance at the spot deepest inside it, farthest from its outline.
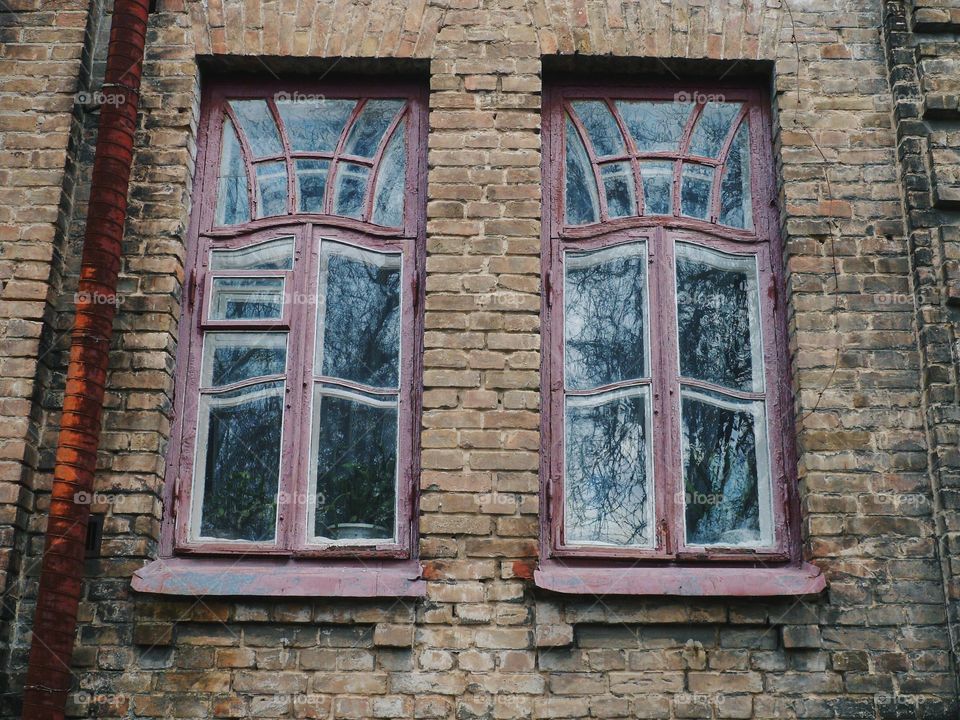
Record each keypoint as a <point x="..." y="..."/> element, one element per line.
<point x="655" y="126"/>
<point x="605" y="308"/>
<point x="712" y="128"/>
<point x="351" y="188"/>
<point x="233" y="202"/>
<point x="369" y="127"/>
<point x="273" y="255"/>
<point x="313" y="123"/>
<point x="358" y="337"/>
<point x="696" y="186"/>
<point x="657" y="177"/>
<point x="239" y="456"/>
<point x="246" y="299"/>
<point x="582" y="206"/>
<point x="311" y="184"/>
<point x="258" y="126"/>
<point x="608" y="480"/>
<point x="726" y="481"/>
<point x="388" y="196"/>
<point x="718" y="318"/>
<point x="600" y="126"/>
<point x="271" y="189"/>
<point x="233" y="357"/>
<point x="355" y="446"/>
<point x="736" y="207"/>
<point x="618" y="185"/>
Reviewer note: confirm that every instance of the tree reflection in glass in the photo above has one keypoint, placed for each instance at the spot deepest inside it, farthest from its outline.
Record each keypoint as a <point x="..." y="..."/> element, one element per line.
<point x="607" y="478"/>
<point x="726" y="483"/>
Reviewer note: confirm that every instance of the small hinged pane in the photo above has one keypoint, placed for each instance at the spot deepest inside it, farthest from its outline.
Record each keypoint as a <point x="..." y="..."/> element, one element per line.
<point x="233" y="357"/>
<point x="246" y="298"/>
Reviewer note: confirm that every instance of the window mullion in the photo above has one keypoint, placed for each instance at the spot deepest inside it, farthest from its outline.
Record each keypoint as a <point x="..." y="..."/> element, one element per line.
<point x="667" y="396"/>
<point x="291" y="491"/>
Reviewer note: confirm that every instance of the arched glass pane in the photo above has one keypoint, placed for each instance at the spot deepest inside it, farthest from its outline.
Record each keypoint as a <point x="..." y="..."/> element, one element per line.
<point x="736" y="204"/>
<point x="358" y="333"/>
<point x="311" y="184"/>
<point x="618" y="186"/>
<point x="718" y="318"/>
<point x="608" y="478"/>
<point x="695" y="189"/>
<point x="605" y="316"/>
<point x="271" y="189"/>
<point x="313" y="124"/>
<point x="239" y="457"/>
<point x="655" y="126"/>
<point x="582" y="205"/>
<point x="273" y="255"/>
<point x="355" y="465"/>
<point x="389" y="193"/>
<point x="350" y="191"/>
<point x="725" y="474"/>
<point x="712" y="128"/>
<point x="233" y="202"/>
<point x="601" y="127"/>
<point x="369" y="127"/>
<point x="258" y="126"/>
<point x="657" y="179"/>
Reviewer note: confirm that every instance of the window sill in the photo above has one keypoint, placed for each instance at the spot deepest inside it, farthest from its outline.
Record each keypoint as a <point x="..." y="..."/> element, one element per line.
<point x="699" y="581"/>
<point x="288" y="578"/>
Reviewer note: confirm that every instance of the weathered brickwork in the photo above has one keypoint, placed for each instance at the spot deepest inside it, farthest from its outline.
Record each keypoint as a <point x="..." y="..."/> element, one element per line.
<point x="866" y="159"/>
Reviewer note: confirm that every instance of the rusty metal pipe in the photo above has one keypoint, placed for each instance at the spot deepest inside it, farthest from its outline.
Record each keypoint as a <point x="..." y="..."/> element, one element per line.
<point x="49" y="677"/>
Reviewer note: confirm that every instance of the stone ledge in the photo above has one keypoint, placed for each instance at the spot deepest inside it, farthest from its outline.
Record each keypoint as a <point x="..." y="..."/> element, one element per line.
<point x="699" y="581"/>
<point x="225" y="577"/>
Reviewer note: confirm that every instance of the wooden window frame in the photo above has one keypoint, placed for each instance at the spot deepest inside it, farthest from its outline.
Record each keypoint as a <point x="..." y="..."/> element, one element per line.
<point x="682" y="569"/>
<point x="299" y="322"/>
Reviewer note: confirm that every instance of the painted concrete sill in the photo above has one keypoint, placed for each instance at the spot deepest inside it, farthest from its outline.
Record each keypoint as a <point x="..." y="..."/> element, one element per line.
<point x="290" y="578"/>
<point x="701" y="581"/>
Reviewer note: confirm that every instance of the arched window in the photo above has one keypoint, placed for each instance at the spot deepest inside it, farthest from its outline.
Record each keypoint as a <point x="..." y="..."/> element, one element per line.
<point x="298" y="396"/>
<point x="666" y="389"/>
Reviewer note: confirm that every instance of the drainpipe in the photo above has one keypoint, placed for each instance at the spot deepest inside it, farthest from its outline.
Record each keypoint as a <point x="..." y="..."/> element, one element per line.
<point x="49" y="678"/>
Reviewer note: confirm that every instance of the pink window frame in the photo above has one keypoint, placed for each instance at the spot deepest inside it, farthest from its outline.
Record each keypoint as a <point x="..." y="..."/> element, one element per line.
<point x="299" y="321"/>
<point x="661" y="232"/>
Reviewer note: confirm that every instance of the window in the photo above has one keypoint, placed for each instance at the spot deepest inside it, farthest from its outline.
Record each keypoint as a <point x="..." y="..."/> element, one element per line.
<point x="666" y="406"/>
<point x="298" y="405"/>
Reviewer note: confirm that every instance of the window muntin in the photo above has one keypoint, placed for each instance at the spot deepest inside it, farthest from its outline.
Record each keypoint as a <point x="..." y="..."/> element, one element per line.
<point x="274" y="401"/>
<point x="677" y="152"/>
<point x="297" y="153"/>
<point x="684" y="459"/>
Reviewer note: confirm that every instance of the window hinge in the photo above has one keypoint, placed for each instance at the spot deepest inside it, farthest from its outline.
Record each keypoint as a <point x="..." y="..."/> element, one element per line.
<point x="548" y="287"/>
<point x="415" y="289"/>
<point x="192" y="289"/>
<point x="176" y="496"/>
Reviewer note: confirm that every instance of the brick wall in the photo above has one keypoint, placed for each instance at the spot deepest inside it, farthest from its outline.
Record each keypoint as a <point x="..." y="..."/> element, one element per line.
<point x="873" y="372"/>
